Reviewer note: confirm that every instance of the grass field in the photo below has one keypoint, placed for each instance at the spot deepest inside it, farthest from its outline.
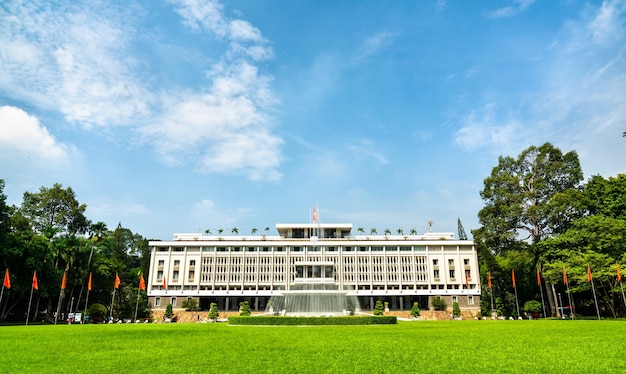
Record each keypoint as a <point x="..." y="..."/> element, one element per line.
<point x="544" y="346"/>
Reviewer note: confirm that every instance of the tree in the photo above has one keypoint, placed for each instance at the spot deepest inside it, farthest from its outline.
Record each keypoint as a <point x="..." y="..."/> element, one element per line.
<point x="97" y="312"/>
<point x="208" y="232"/>
<point x="214" y="312"/>
<point x="387" y="232"/>
<point x="520" y="206"/>
<point x="373" y="231"/>
<point x="413" y="232"/>
<point x="253" y="231"/>
<point x="169" y="313"/>
<point x="518" y="193"/>
<point x="361" y="230"/>
<point x="379" y="308"/>
<point x="234" y="231"/>
<point x="438" y="303"/>
<point x="415" y="310"/>
<point x="55" y="210"/>
<point x="400" y="231"/>
<point x="244" y="309"/>
<point x="191" y="304"/>
<point x="456" y="310"/>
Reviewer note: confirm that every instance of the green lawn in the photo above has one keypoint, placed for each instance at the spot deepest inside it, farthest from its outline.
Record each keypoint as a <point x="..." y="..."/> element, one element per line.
<point x="544" y="346"/>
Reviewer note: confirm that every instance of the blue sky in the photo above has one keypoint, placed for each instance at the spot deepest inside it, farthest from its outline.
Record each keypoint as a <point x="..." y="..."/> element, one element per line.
<point x="185" y="115"/>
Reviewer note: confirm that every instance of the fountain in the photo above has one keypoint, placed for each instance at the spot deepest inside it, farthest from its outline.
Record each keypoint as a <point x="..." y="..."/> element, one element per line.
<point x="313" y="292"/>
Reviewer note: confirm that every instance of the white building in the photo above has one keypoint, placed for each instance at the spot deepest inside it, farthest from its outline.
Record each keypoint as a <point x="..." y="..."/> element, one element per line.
<point x="397" y="269"/>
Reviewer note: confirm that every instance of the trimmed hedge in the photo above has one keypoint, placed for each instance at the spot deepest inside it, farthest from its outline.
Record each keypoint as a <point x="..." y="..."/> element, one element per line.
<point x="312" y="321"/>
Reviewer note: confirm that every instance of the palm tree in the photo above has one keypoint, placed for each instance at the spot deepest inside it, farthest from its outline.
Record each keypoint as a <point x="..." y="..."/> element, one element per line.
<point x="361" y="230"/>
<point x="413" y="232"/>
<point x="220" y="231"/>
<point x="234" y="230"/>
<point x="208" y="232"/>
<point x="253" y="231"/>
<point x="373" y="232"/>
<point x="400" y="231"/>
<point x="387" y="231"/>
<point x="267" y="230"/>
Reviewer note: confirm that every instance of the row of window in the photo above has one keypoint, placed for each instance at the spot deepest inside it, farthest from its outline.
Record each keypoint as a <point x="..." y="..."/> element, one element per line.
<point x="317" y="248"/>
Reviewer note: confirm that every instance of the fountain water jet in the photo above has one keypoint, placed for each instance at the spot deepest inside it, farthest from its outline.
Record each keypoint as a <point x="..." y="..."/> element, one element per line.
<point x="313" y="293"/>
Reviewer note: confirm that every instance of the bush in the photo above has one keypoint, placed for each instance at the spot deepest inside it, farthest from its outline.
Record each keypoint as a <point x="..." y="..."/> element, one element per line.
<point x="97" y="312"/>
<point x="214" y="312"/>
<point x="456" y="310"/>
<point x="415" y="310"/>
<point x="168" y="311"/>
<point x="379" y="308"/>
<point x="312" y="321"/>
<point x="438" y="303"/>
<point x="191" y="305"/>
<point x="244" y="309"/>
<point x="532" y="306"/>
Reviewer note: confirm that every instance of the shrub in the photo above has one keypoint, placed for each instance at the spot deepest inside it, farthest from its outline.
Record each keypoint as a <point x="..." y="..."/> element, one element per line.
<point x="532" y="306"/>
<point x="244" y="309"/>
<point x="415" y="310"/>
<point x="438" y="303"/>
<point x="214" y="312"/>
<point x="97" y="312"/>
<point x="379" y="308"/>
<point x="456" y="310"/>
<point x="168" y="311"/>
<point x="312" y="321"/>
<point x="191" y="305"/>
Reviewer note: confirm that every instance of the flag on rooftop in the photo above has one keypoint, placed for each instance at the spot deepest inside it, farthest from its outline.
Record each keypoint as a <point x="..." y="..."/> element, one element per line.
<point x="7" y="279"/>
<point x="315" y="215"/>
<point x="117" y="281"/>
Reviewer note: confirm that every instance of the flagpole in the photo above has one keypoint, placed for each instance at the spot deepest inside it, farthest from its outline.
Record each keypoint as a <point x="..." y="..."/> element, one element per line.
<point x="137" y="303"/>
<point x="593" y="288"/>
<point x="85" y="312"/>
<point x="623" y="297"/>
<point x="111" y="311"/>
<point x="30" y="299"/>
<point x="61" y="295"/>
<point x="543" y="304"/>
<point x="515" y="288"/>
<point x="571" y="303"/>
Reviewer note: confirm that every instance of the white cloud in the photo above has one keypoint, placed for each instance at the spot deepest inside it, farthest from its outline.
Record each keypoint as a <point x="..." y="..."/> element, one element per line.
<point x="367" y="149"/>
<point x="22" y="134"/>
<point x="83" y="61"/>
<point x="515" y="8"/>
<point x="374" y="44"/>
<point x="577" y="103"/>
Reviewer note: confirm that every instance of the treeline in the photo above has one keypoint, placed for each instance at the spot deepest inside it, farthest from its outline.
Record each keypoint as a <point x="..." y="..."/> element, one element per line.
<point x="555" y="232"/>
<point x="49" y="234"/>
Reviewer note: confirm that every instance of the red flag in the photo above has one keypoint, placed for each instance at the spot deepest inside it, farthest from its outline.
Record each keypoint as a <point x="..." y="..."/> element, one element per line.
<point x="64" y="281"/>
<point x="466" y="281"/>
<point x="589" y="277"/>
<point x="35" y="283"/>
<point x="538" y="277"/>
<point x="489" y="279"/>
<point x="564" y="275"/>
<point x="164" y="283"/>
<point x="7" y="280"/>
<point x="314" y="215"/>
<point x="142" y="284"/>
<point x="117" y="281"/>
<point x="619" y="276"/>
<point x="89" y="282"/>
<point x="513" y="277"/>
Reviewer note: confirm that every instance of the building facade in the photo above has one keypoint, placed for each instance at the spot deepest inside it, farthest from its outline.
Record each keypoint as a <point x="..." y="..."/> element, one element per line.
<point x="396" y="269"/>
